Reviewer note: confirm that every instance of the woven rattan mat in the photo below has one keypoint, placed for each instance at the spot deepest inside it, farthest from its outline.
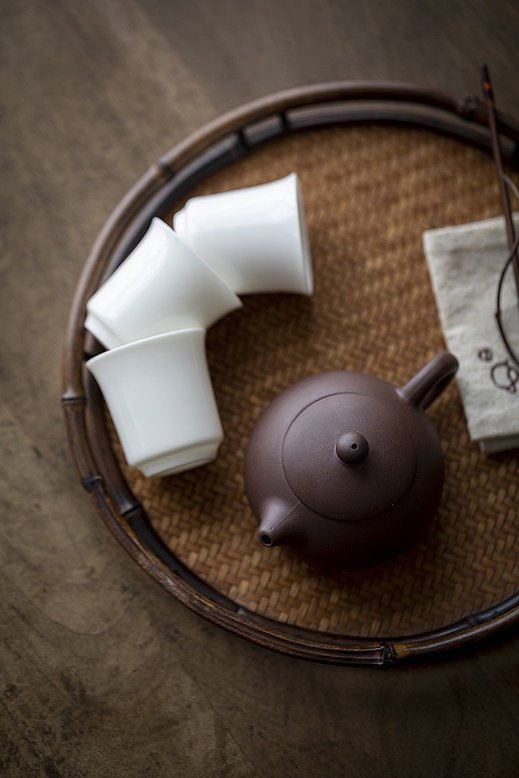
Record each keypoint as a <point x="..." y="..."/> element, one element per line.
<point x="369" y="193"/>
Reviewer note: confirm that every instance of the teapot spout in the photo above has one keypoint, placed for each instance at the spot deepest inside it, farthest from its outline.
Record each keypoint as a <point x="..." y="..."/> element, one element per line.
<point x="277" y="523"/>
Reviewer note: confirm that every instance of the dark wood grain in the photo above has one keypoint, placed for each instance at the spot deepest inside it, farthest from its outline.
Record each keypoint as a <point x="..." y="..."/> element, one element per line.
<point x="101" y="671"/>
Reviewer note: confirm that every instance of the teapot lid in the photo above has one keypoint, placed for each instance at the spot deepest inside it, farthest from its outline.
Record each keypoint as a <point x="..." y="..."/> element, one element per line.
<point x="349" y="455"/>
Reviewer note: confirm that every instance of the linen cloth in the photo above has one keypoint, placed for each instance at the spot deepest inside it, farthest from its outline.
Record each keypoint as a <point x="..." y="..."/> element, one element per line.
<point x="464" y="265"/>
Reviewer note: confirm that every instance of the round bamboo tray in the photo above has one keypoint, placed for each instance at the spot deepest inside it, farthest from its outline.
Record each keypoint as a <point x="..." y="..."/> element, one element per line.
<point x="379" y="163"/>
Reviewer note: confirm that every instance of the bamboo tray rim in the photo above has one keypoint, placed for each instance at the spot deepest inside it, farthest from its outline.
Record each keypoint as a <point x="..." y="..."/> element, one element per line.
<point x="225" y="140"/>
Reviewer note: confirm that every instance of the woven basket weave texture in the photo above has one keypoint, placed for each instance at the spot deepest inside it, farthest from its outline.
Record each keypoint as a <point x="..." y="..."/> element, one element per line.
<point x="369" y="193"/>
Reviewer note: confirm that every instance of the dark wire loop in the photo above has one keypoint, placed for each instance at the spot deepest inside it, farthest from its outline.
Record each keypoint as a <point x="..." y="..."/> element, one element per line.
<point x="498" y="313"/>
<point x="505" y="183"/>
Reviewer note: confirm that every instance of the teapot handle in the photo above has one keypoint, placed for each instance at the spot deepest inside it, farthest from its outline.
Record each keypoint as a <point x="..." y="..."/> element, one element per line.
<point x="430" y="381"/>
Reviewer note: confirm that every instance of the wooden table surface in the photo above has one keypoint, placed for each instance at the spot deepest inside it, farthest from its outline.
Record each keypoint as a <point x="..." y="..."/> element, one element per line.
<point x="102" y="673"/>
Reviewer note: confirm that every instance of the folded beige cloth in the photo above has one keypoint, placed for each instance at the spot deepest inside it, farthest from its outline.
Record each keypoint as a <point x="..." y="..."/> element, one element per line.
<point x="464" y="265"/>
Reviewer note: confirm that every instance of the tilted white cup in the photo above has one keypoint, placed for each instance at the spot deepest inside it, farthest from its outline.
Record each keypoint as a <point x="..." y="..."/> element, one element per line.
<point x="255" y="238"/>
<point x="161" y="286"/>
<point x="160" y="397"/>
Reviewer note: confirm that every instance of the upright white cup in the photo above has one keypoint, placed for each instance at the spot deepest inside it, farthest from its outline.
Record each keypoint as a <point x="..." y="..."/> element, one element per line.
<point x="161" y="286"/>
<point x="255" y="239"/>
<point x="159" y="394"/>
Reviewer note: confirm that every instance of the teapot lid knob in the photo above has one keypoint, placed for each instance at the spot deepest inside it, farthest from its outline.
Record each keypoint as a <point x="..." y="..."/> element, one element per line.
<point x="331" y="468"/>
<point x="352" y="448"/>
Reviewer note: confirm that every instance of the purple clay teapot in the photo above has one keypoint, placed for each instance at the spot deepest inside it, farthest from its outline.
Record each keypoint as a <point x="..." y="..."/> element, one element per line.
<point x="346" y="468"/>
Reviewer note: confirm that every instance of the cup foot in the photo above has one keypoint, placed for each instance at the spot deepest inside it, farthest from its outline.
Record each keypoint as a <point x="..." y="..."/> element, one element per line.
<point x="178" y="461"/>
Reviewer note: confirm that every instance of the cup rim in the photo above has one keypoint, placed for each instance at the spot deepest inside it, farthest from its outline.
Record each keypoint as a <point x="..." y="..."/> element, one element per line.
<point x="135" y="344"/>
<point x="308" y="276"/>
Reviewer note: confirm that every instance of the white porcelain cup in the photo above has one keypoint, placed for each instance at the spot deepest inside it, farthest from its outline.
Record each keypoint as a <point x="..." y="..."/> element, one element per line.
<point x="161" y="286"/>
<point x="159" y="394"/>
<point x="255" y="239"/>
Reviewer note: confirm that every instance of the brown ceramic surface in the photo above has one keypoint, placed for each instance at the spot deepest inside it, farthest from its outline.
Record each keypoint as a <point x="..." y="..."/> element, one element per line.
<point x="345" y="468"/>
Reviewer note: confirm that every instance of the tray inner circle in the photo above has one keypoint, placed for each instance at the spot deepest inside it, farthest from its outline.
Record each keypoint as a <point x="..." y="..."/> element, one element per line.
<point x="369" y="192"/>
